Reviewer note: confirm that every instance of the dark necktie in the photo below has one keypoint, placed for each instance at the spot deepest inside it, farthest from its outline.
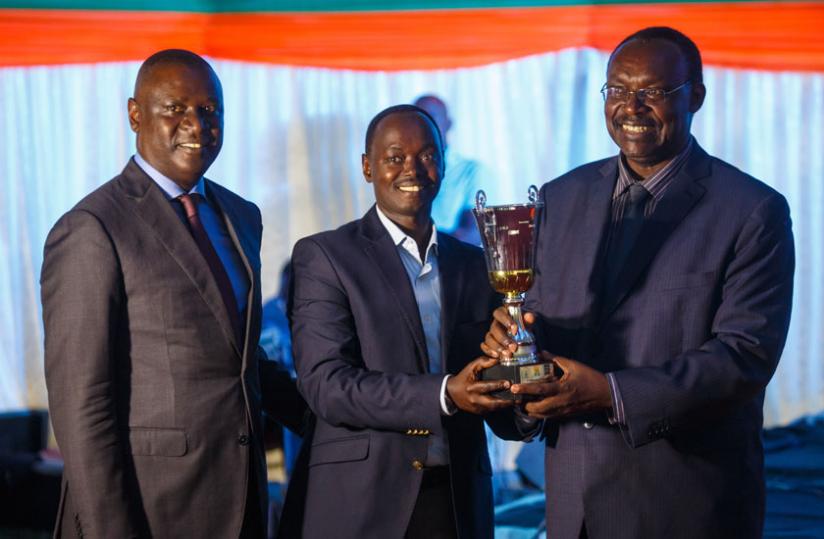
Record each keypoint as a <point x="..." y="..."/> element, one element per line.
<point x="203" y="242"/>
<point x="626" y="233"/>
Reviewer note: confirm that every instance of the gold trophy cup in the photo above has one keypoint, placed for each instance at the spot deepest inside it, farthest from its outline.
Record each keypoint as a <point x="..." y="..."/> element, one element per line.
<point x="507" y="233"/>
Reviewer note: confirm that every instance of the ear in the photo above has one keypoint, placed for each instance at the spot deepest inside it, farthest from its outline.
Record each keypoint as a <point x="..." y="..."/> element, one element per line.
<point x="367" y="168"/>
<point x="697" y="95"/>
<point x="134" y="115"/>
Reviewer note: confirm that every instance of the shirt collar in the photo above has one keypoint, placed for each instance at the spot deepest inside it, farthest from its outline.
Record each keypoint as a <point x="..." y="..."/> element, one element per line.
<point x="658" y="182"/>
<point x="169" y="187"/>
<point x="402" y="239"/>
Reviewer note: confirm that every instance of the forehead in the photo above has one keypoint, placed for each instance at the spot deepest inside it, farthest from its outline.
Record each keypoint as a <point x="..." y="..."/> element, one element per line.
<point x="183" y="80"/>
<point x="403" y="128"/>
<point x="648" y="61"/>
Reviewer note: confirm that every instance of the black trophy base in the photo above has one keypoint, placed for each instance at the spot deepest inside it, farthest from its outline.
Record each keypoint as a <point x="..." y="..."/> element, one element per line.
<point x="518" y="374"/>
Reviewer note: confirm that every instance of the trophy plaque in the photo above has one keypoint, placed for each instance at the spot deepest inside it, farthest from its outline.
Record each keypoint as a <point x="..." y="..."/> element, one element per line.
<point x="507" y="233"/>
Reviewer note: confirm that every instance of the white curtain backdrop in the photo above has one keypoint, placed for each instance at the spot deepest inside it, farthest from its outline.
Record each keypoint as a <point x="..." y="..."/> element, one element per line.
<point x="293" y="139"/>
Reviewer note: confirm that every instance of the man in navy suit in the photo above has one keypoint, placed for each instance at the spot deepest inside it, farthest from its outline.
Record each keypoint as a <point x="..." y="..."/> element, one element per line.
<point x="663" y="290"/>
<point x="386" y="315"/>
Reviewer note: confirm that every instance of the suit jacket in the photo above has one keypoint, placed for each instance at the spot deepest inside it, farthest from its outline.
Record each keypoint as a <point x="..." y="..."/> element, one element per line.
<point x="156" y="407"/>
<point x="693" y="330"/>
<point x="362" y="363"/>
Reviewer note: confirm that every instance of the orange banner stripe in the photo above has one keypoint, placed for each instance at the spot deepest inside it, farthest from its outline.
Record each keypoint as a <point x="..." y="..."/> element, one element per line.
<point x="770" y="35"/>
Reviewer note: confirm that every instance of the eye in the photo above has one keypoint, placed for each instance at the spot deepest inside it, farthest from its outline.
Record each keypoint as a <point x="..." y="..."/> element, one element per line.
<point x="616" y="92"/>
<point x="210" y="109"/>
<point x="173" y="107"/>
<point x="652" y="93"/>
<point x="395" y="159"/>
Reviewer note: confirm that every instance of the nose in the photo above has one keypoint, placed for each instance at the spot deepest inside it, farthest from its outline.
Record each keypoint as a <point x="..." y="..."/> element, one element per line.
<point x="196" y="120"/>
<point x="633" y="101"/>
<point x="413" y="166"/>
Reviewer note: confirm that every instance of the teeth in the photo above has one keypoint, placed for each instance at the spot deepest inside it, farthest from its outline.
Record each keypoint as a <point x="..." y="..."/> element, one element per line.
<point x="411" y="188"/>
<point x="193" y="145"/>
<point x="635" y="128"/>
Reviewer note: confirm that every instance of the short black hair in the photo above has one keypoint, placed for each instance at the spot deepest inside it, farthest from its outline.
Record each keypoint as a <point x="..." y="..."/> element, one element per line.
<point x="171" y="56"/>
<point x="689" y="50"/>
<point x="399" y="109"/>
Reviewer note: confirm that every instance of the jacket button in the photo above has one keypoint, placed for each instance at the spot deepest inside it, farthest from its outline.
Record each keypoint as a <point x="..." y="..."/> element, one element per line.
<point x="418" y="465"/>
<point x="588" y="425"/>
<point x="243" y="439"/>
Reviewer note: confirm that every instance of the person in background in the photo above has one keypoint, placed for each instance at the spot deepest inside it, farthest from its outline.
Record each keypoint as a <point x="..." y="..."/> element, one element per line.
<point x="462" y="176"/>
<point x="663" y="290"/>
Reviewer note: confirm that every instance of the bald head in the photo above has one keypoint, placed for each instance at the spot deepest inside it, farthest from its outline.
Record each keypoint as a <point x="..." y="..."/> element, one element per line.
<point x="172" y="57"/>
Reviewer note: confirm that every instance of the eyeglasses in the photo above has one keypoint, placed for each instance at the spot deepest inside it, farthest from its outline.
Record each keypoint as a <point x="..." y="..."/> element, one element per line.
<point x="645" y="95"/>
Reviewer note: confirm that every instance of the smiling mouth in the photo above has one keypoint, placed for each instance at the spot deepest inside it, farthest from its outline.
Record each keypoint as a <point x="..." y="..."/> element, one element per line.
<point x="191" y="145"/>
<point x="411" y="188"/>
<point x="630" y="128"/>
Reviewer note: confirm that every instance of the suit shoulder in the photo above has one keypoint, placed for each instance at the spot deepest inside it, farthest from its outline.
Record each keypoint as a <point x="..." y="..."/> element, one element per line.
<point x="344" y="234"/>
<point x="737" y="183"/>
<point x="579" y="176"/>
<point x="102" y="200"/>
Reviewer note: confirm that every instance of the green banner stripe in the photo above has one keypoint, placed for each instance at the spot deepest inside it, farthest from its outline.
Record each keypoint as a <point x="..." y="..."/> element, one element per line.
<point x="286" y="6"/>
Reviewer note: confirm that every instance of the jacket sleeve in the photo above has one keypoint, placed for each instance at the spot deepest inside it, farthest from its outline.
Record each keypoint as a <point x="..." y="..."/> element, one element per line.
<point x="83" y="301"/>
<point x="281" y="399"/>
<point x="327" y="346"/>
<point x="748" y="332"/>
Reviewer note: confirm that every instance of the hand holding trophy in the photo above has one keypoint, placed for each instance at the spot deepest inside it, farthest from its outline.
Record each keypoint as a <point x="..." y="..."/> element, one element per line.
<point x="507" y="233"/>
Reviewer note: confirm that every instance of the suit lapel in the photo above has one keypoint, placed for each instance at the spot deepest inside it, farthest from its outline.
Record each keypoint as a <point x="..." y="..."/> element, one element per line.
<point x="585" y="247"/>
<point x="383" y="253"/>
<point x="153" y="208"/>
<point x="243" y="245"/>
<point x="677" y="201"/>
<point x="451" y="269"/>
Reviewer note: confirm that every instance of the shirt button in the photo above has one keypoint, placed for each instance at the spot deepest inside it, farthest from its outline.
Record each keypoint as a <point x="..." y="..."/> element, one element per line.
<point x="243" y="439"/>
<point x="588" y="425"/>
<point x="418" y="465"/>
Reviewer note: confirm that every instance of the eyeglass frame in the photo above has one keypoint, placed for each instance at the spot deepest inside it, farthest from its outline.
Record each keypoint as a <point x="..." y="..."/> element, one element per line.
<point x="643" y="93"/>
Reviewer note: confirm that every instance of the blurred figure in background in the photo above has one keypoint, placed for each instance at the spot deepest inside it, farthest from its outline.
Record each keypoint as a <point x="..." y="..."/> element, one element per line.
<point x="463" y="177"/>
<point x="277" y="343"/>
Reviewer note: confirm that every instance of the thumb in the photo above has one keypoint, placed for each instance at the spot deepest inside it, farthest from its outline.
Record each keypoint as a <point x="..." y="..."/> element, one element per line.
<point x="529" y="318"/>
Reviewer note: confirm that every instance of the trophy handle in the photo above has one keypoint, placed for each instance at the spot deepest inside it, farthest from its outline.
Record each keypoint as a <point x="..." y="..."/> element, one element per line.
<point x="480" y="200"/>
<point x="533" y="194"/>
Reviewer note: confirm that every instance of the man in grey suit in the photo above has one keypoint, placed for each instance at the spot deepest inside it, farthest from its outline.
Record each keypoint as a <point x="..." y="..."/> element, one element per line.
<point x="151" y="306"/>
<point x="386" y="319"/>
<point x="663" y="289"/>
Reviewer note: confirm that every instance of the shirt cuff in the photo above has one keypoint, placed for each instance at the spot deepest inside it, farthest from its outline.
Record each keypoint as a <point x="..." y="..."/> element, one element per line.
<point x="616" y="415"/>
<point x="447" y="406"/>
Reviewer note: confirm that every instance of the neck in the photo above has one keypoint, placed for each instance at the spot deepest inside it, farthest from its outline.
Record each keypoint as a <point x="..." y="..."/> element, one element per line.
<point x="641" y="170"/>
<point x="418" y="227"/>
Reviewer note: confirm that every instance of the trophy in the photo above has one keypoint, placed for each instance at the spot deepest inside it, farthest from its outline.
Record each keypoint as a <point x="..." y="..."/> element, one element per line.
<point x="507" y="233"/>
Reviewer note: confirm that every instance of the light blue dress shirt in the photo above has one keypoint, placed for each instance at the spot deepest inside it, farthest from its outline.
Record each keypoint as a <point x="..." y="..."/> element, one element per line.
<point x="426" y="284"/>
<point x="215" y="229"/>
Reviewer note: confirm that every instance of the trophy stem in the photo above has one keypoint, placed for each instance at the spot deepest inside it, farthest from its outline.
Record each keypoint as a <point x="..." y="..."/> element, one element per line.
<point x="527" y="351"/>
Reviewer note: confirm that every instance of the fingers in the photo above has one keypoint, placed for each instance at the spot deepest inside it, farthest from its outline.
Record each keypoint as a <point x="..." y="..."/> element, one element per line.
<point x="487" y="386"/>
<point x="536" y="388"/>
<point x="481" y="363"/>
<point x="544" y="408"/>
<point x="501" y="315"/>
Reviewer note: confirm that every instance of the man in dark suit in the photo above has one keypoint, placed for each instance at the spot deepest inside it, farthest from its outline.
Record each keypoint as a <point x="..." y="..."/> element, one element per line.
<point x="382" y="310"/>
<point x="151" y="306"/>
<point x="663" y="288"/>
